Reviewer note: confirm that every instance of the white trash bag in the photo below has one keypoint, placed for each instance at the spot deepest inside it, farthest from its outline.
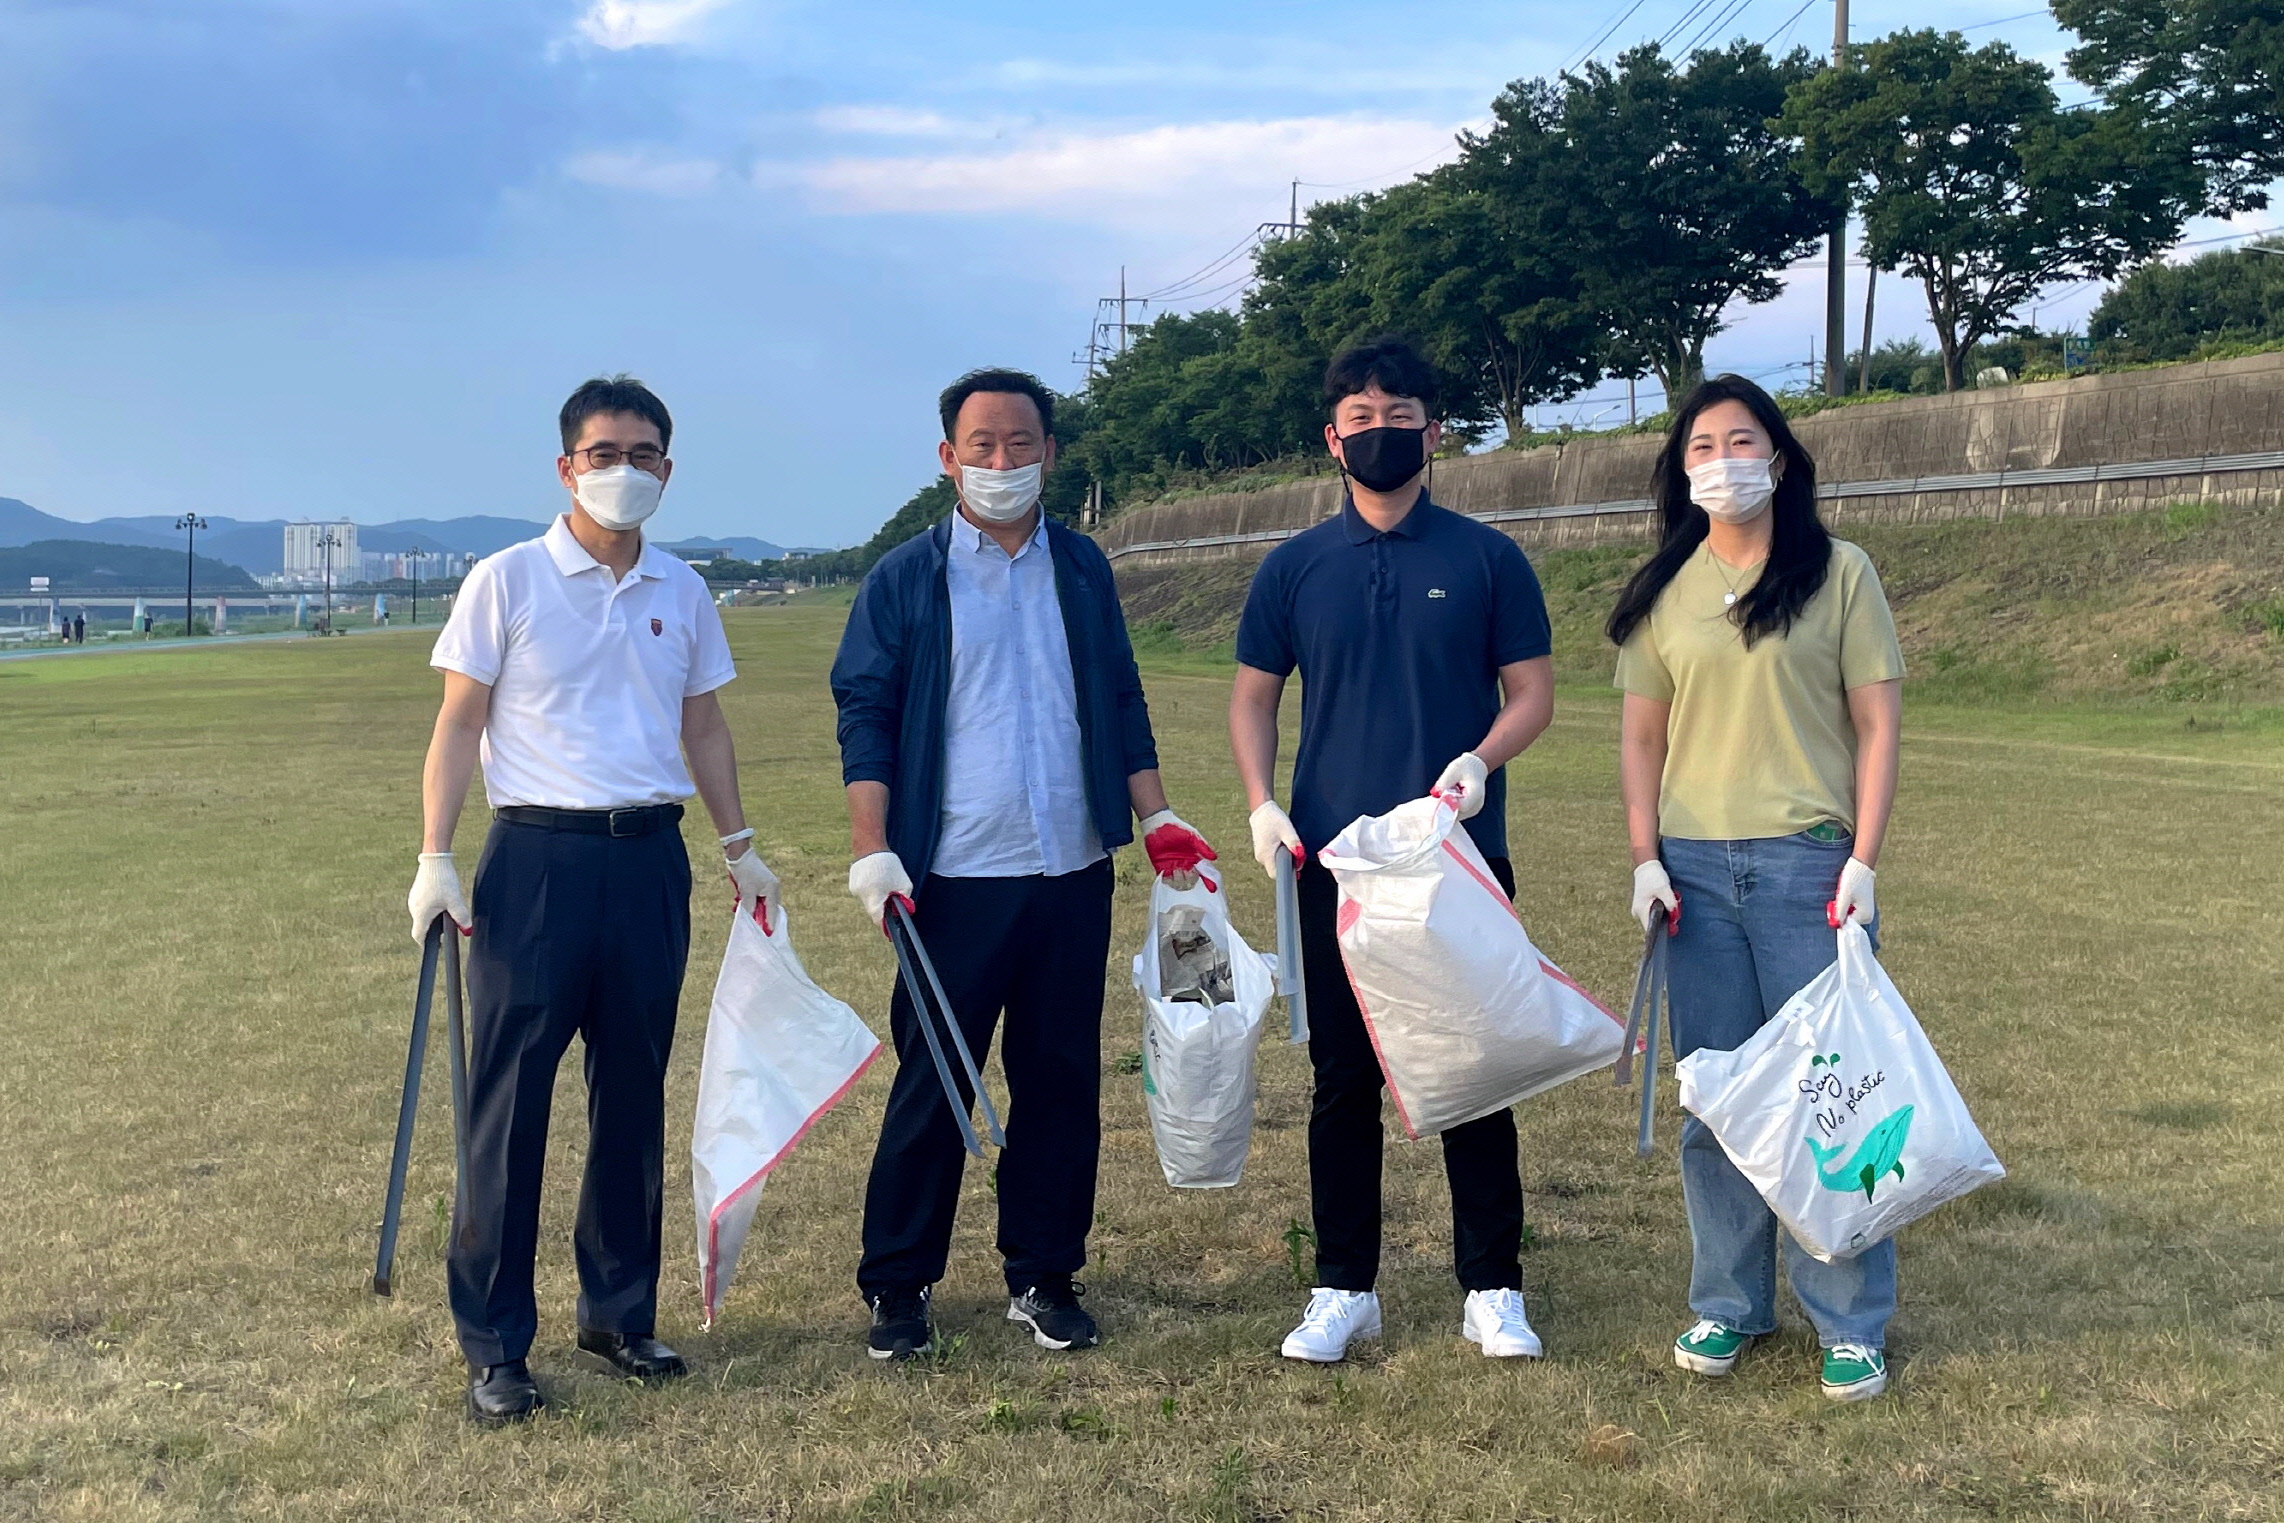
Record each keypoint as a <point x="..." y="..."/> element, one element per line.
<point x="1839" y="1112"/>
<point x="1465" y="1013"/>
<point x="1205" y="996"/>
<point x="780" y="1052"/>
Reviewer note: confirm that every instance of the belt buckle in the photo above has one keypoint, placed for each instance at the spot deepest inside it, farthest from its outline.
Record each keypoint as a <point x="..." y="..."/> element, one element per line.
<point x="631" y="815"/>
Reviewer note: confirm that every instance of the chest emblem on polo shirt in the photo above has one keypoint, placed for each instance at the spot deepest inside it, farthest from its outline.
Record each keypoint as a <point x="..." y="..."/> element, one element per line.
<point x="658" y="626"/>
<point x="1435" y="592"/>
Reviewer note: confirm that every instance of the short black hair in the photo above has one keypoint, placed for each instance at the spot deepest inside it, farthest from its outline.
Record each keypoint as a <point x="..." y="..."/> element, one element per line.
<point x="1388" y="362"/>
<point x="614" y="393"/>
<point x="1021" y="382"/>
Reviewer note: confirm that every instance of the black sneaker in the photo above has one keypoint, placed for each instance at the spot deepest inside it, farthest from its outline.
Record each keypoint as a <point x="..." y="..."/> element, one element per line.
<point x="901" y="1328"/>
<point x="1051" y="1310"/>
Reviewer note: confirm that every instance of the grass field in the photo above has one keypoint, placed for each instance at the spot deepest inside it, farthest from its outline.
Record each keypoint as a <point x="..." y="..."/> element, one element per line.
<point x="204" y="997"/>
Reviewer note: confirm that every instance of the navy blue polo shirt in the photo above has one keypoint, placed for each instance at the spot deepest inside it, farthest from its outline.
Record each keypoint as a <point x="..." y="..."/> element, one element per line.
<point x="1398" y="637"/>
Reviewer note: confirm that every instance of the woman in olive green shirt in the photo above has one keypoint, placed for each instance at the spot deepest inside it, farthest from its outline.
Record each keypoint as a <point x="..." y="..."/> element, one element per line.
<point x="1758" y="762"/>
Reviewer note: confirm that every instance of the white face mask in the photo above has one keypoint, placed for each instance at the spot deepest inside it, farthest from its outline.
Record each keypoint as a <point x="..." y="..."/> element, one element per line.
<point x="1000" y="497"/>
<point x="1735" y="490"/>
<point x="618" y="496"/>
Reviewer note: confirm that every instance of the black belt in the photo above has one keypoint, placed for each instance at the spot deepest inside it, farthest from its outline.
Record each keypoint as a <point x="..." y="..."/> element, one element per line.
<point x="638" y="821"/>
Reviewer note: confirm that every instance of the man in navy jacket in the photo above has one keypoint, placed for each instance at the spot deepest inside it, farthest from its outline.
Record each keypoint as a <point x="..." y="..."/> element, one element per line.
<point x="996" y="746"/>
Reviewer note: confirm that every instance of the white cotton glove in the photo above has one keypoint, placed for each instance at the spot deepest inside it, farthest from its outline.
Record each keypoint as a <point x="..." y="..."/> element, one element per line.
<point x="756" y="884"/>
<point x="436" y="891"/>
<point x="1271" y="829"/>
<point x="1652" y="886"/>
<point x="1854" y="900"/>
<point x="876" y="879"/>
<point x="1465" y="782"/>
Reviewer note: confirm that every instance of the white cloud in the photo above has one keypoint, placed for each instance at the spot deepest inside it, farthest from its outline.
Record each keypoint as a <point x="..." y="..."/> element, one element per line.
<point x="902" y="121"/>
<point x="634" y="169"/>
<point x="620" y="24"/>
<point x="1200" y="173"/>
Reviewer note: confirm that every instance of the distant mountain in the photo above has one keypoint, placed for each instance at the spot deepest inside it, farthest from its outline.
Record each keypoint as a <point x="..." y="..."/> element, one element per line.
<point x="77" y="565"/>
<point x="258" y="544"/>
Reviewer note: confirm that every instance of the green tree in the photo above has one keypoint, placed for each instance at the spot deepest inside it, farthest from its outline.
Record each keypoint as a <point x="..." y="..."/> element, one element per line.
<point x="1466" y="265"/>
<point x="2166" y="311"/>
<point x="1668" y="193"/>
<point x="2204" y="76"/>
<point x="1973" y="182"/>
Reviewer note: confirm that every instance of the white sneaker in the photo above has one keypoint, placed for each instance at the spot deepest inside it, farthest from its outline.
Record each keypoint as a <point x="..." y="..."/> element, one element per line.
<point x="1495" y="1322"/>
<point x="1333" y="1318"/>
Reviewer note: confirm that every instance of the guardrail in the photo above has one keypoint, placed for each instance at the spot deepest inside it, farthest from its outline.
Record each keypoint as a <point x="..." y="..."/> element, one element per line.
<point x="1978" y="481"/>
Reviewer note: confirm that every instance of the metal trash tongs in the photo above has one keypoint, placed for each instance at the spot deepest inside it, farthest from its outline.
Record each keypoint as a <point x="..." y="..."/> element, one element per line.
<point x="1642" y="1024"/>
<point x="1291" y="982"/>
<point x="443" y="940"/>
<point x="921" y="981"/>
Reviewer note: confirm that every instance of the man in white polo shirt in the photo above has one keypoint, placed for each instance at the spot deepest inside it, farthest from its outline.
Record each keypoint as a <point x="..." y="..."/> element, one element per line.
<point x="582" y="667"/>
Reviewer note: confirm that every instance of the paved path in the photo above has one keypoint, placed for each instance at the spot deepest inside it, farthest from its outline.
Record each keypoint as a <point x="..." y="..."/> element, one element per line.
<point x="203" y="642"/>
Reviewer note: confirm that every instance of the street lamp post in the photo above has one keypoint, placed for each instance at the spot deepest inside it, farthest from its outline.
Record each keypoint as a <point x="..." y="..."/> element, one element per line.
<point x="413" y="558"/>
<point x="325" y="545"/>
<point x="192" y="523"/>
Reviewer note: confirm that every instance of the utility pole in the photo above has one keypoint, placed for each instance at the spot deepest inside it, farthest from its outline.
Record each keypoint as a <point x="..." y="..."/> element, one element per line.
<point x="325" y="543"/>
<point x="1871" y="287"/>
<point x="1291" y="226"/>
<point x="1836" y="250"/>
<point x="413" y="558"/>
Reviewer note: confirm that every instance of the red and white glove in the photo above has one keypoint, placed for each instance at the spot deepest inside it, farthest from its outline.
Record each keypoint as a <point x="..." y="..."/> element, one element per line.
<point x="1651" y="888"/>
<point x="1465" y="783"/>
<point x="1854" y="900"/>
<point x="1271" y="829"/>
<point x="436" y="891"/>
<point x="1173" y="844"/>
<point x="876" y="879"/>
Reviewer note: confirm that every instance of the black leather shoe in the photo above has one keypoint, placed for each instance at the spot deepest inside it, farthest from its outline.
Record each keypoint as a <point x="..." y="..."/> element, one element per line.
<point x="641" y="1357"/>
<point x="499" y="1394"/>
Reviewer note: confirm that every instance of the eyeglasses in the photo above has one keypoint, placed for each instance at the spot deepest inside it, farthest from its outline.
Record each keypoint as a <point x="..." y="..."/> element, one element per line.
<point x="601" y="457"/>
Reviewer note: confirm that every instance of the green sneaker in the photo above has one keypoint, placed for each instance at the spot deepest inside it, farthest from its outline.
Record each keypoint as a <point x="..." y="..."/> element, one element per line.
<point x="1853" y="1372"/>
<point x="1709" y="1348"/>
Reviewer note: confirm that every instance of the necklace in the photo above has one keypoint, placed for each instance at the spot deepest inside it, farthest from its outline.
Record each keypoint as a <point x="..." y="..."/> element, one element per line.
<point x="1721" y="568"/>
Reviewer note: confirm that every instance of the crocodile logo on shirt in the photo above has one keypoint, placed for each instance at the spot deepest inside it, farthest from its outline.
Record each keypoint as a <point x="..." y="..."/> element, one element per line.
<point x="658" y="626"/>
<point x="1435" y="592"/>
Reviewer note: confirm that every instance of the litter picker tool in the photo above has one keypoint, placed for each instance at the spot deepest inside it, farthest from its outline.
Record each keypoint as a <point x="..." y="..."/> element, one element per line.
<point x="441" y="943"/>
<point x="1642" y="1023"/>
<point x="1291" y="982"/>
<point x="926" y="989"/>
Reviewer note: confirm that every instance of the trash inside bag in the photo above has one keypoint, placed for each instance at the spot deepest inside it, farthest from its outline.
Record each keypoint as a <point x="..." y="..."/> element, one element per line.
<point x="780" y="1052"/>
<point x="1465" y="1014"/>
<point x="1191" y="964"/>
<point x="1839" y="1111"/>
<point x="1205" y="996"/>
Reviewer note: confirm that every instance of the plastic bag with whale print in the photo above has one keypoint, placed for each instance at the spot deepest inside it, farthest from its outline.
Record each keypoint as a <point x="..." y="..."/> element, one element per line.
<point x="1839" y="1112"/>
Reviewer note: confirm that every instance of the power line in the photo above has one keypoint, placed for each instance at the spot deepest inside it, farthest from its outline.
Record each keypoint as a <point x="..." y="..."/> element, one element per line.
<point x="1712" y="28"/>
<point x="1696" y="10"/>
<point x="1588" y="51"/>
<point x="1790" y="22"/>
<point x="2002" y="21"/>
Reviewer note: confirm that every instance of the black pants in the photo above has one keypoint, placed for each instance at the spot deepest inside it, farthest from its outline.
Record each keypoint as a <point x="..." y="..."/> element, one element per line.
<point x="1479" y="1158"/>
<point x="1034" y="948"/>
<point x="574" y="933"/>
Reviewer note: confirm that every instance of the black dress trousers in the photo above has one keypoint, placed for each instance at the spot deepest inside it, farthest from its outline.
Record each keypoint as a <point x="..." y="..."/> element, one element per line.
<point x="1033" y="948"/>
<point x="585" y="934"/>
<point x="1479" y="1158"/>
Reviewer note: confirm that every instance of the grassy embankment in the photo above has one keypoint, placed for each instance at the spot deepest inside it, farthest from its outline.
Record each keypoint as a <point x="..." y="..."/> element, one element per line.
<point x="2183" y="605"/>
<point x="204" y="1013"/>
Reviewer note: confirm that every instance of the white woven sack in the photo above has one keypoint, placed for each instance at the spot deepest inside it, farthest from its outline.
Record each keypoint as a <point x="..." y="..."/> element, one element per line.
<point x="780" y="1052"/>
<point x="1466" y="1015"/>
<point x="1839" y="1111"/>
<point x="1197" y="1060"/>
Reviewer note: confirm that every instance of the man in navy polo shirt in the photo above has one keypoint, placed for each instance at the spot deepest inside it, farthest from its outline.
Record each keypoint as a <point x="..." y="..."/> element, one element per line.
<point x="1422" y="642"/>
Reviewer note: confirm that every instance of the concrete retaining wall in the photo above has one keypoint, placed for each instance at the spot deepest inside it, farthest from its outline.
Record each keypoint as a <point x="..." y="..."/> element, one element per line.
<point x="2211" y="432"/>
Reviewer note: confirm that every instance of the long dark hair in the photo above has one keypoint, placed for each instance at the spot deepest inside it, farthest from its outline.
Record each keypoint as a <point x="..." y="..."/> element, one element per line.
<point x="1800" y="554"/>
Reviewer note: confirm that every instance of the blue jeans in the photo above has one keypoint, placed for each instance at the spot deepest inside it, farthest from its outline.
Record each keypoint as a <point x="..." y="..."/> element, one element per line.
<point x="1753" y="933"/>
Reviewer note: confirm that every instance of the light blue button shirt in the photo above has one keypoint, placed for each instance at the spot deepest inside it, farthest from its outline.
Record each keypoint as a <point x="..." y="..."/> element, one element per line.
<point x="1014" y="788"/>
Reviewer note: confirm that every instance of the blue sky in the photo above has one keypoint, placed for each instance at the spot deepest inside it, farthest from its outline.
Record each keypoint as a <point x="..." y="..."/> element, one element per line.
<point x="316" y="257"/>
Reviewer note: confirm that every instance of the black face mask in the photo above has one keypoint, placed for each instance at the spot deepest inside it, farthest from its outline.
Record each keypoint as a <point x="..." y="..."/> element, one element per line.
<point x="1383" y="459"/>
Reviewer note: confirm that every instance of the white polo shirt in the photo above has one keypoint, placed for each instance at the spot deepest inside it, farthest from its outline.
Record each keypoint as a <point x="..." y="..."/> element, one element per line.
<point x="587" y="674"/>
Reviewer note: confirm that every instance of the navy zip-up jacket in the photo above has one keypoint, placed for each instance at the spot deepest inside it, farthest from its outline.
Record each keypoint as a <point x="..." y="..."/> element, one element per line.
<point x="892" y="680"/>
